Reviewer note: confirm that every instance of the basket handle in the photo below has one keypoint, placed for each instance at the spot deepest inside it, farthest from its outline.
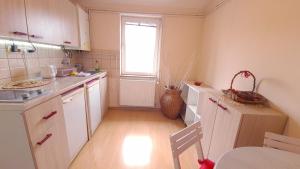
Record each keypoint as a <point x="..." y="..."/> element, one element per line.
<point x="246" y="74"/>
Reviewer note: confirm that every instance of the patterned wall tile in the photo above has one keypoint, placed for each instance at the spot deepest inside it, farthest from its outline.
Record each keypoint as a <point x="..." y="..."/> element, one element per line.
<point x="4" y="73"/>
<point x="18" y="72"/>
<point x="4" y="64"/>
<point x="13" y="64"/>
<point x="3" y="53"/>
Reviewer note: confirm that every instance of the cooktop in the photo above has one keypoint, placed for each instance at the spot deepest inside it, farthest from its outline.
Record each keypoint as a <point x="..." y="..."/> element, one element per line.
<point x="20" y="96"/>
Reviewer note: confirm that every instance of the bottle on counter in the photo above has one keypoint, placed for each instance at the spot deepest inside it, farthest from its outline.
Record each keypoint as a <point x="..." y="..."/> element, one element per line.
<point x="97" y="67"/>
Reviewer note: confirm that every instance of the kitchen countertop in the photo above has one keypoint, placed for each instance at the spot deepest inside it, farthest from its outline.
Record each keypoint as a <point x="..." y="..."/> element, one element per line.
<point x="56" y="87"/>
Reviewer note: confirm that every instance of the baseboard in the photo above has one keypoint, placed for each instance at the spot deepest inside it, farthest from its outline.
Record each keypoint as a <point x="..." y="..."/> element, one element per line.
<point x="135" y="108"/>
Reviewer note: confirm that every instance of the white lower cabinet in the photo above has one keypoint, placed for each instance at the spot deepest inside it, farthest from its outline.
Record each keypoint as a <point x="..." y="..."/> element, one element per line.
<point x="50" y="134"/>
<point x="94" y="105"/>
<point x="47" y="135"/>
<point x="104" y="95"/>
<point x="227" y="125"/>
<point x="193" y="98"/>
<point x="75" y="120"/>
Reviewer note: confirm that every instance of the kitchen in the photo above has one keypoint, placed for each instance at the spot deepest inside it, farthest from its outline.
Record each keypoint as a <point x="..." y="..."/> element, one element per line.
<point x="76" y="93"/>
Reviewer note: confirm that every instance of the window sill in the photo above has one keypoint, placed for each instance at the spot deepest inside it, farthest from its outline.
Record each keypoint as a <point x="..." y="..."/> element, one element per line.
<point x="137" y="77"/>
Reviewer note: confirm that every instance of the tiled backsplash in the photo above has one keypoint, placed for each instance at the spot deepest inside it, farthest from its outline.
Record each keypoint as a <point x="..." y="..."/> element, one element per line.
<point x="13" y="64"/>
<point x="108" y="60"/>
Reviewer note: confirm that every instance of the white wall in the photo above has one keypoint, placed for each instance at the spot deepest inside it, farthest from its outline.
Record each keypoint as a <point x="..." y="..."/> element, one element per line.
<point x="263" y="37"/>
<point x="105" y="30"/>
<point x="181" y="40"/>
<point x="180" y="47"/>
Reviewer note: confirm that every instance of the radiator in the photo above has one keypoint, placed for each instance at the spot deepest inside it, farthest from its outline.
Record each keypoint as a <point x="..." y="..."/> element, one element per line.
<point x="137" y="93"/>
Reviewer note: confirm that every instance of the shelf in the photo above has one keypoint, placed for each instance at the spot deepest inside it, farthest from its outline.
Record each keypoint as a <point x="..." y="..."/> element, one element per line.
<point x="193" y="108"/>
<point x="197" y="118"/>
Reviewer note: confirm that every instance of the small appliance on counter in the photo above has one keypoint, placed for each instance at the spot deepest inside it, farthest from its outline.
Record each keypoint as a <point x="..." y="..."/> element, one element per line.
<point x="63" y="72"/>
<point x="49" y="72"/>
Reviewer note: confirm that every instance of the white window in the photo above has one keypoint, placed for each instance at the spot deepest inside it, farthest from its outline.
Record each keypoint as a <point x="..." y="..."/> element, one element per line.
<point x="140" y="46"/>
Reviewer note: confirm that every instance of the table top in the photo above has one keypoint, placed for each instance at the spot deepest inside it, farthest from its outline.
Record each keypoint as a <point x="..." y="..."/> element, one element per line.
<point x="258" y="158"/>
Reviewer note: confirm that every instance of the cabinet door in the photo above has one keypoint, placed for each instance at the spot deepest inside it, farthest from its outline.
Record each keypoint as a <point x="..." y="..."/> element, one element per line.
<point x="94" y="106"/>
<point x="12" y="19"/>
<point x="226" y="128"/>
<point x="43" y="18"/>
<point x="76" y="121"/>
<point x="84" y="29"/>
<point x="50" y="148"/>
<point x="70" y="27"/>
<point x="207" y="119"/>
<point x="104" y="96"/>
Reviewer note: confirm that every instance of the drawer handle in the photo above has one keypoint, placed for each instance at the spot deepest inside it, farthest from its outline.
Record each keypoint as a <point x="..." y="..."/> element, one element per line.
<point x="20" y="33"/>
<point x="222" y="107"/>
<point x="212" y="100"/>
<point x="67" y="42"/>
<point x="44" y="139"/>
<point x="69" y="100"/>
<point x="50" y="115"/>
<point x="36" y="36"/>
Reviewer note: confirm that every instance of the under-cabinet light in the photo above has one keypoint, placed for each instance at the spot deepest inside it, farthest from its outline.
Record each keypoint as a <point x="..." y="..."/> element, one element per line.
<point x="27" y="44"/>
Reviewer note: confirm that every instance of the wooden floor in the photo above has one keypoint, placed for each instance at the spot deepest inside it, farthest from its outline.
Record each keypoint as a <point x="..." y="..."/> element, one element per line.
<point x="133" y="140"/>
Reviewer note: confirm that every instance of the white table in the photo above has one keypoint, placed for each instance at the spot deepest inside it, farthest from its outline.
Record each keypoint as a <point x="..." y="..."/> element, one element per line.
<point x="258" y="158"/>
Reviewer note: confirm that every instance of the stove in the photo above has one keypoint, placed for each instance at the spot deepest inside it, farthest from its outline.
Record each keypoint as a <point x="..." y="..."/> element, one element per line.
<point x="20" y="96"/>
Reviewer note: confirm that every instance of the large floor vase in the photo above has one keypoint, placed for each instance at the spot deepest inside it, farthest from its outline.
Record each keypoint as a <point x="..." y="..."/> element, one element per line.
<point x="171" y="103"/>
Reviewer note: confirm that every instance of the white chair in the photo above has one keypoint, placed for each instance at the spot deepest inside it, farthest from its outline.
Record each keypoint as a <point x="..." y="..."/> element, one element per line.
<point x="281" y="142"/>
<point x="185" y="138"/>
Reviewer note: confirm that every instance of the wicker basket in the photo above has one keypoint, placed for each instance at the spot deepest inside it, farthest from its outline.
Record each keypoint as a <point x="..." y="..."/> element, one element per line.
<point x="171" y="103"/>
<point x="247" y="97"/>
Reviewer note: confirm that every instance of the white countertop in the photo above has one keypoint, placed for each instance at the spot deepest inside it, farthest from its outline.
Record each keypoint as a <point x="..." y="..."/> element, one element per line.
<point x="56" y="87"/>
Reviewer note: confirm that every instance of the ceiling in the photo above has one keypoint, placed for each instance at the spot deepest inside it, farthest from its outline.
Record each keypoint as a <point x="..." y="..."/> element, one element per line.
<point x="148" y="6"/>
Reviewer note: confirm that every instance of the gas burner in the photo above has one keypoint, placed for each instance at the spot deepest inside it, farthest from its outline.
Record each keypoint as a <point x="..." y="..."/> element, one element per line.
<point x="20" y="96"/>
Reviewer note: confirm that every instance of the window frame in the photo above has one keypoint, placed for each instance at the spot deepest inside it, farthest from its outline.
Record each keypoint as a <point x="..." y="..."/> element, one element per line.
<point x="146" y="19"/>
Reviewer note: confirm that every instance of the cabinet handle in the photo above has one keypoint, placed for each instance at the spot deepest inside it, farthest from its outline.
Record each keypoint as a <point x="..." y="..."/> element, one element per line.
<point x="36" y="36"/>
<point x="50" y="115"/>
<point x="67" y="100"/>
<point x="212" y="100"/>
<point x="67" y="42"/>
<point x="44" y="139"/>
<point x="20" y="33"/>
<point x="90" y="82"/>
<point x="222" y="107"/>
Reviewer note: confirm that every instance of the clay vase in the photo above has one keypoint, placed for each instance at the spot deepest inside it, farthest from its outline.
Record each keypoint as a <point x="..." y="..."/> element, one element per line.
<point x="171" y="103"/>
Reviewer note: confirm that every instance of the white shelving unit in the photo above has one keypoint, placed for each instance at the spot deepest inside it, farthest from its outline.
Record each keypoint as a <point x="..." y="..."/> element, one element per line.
<point x="192" y="96"/>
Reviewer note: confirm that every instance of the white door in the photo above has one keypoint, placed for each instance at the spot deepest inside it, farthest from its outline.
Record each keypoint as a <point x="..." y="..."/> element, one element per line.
<point x="94" y="105"/>
<point x="75" y="120"/>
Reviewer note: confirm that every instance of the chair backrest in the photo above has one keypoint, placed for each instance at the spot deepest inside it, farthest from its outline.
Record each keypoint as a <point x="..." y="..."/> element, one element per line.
<point x="281" y="142"/>
<point x="185" y="138"/>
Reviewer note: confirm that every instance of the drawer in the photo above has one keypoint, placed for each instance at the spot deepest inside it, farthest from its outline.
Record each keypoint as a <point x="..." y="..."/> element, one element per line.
<point x="40" y="118"/>
<point x="50" y="149"/>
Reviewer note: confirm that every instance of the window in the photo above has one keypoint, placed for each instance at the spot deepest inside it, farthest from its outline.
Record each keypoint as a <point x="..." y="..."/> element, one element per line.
<point x="140" y="46"/>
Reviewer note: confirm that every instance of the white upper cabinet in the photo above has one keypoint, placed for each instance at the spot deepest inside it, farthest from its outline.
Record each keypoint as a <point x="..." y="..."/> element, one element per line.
<point x="84" y="29"/>
<point x="69" y="24"/>
<point x="48" y="21"/>
<point x="13" y="20"/>
<point x="43" y="17"/>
